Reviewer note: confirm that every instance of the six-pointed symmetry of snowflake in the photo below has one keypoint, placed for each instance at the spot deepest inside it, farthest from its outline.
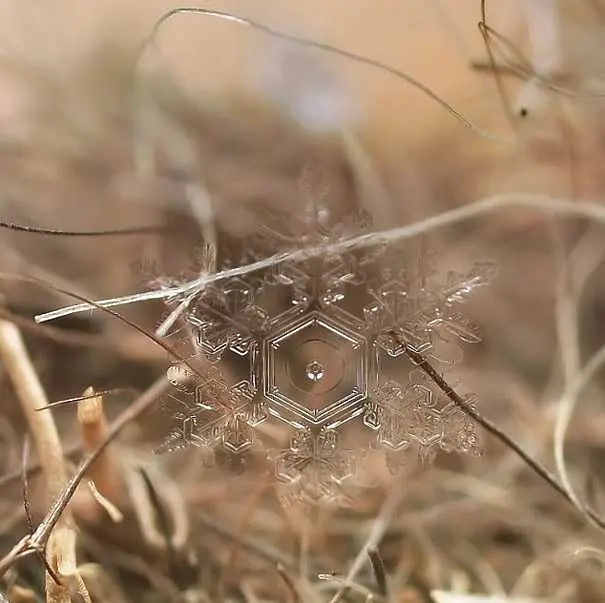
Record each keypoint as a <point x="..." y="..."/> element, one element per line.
<point x="316" y="342"/>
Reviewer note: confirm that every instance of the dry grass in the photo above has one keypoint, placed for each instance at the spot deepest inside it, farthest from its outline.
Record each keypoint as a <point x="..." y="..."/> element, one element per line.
<point x="100" y="141"/>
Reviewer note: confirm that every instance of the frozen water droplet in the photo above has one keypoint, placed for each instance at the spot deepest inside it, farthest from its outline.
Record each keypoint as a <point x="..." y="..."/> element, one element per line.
<point x="315" y="370"/>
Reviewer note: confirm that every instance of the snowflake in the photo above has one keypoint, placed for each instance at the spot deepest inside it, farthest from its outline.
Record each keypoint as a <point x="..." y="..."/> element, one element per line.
<point x="317" y="343"/>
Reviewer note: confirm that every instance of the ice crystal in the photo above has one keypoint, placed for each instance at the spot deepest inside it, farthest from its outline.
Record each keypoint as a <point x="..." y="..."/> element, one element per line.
<point x="319" y="344"/>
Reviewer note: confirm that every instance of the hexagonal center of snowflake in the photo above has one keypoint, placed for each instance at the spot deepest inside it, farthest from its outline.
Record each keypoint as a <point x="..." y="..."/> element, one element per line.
<point x="315" y="371"/>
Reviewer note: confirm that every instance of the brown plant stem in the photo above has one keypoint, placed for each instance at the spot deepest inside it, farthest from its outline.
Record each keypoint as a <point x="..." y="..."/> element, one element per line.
<point x="61" y="550"/>
<point x="134" y="230"/>
<point x="29" y="544"/>
<point x="533" y="464"/>
<point x="94" y="428"/>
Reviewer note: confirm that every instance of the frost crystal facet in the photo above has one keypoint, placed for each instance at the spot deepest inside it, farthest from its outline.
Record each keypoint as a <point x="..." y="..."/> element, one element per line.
<point x="317" y="343"/>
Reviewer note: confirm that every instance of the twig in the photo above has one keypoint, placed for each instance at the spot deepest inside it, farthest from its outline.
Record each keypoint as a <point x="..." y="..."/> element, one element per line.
<point x="61" y="543"/>
<point x="208" y="266"/>
<point x="25" y="485"/>
<point x="28" y="511"/>
<point x="379" y="527"/>
<point x="161" y="514"/>
<point x="112" y="510"/>
<point x="133" y="230"/>
<point x="143" y="501"/>
<point x="534" y="465"/>
<point x="94" y="428"/>
<point x="544" y="203"/>
<point x="90" y="396"/>
<point x="485" y="31"/>
<point x="574" y="276"/>
<point x="50" y="286"/>
<point x="327" y="48"/>
<point x="289" y="582"/>
<point x="32" y="398"/>
<point x="379" y="571"/>
<point x="158" y="507"/>
<point x="162" y="520"/>
<point x="508" y="70"/>
<point x="29" y="544"/>
<point x="102" y="584"/>
<point x="56" y="334"/>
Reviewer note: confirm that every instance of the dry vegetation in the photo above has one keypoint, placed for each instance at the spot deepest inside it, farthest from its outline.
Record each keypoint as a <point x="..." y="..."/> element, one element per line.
<point x="195" y="138"/>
